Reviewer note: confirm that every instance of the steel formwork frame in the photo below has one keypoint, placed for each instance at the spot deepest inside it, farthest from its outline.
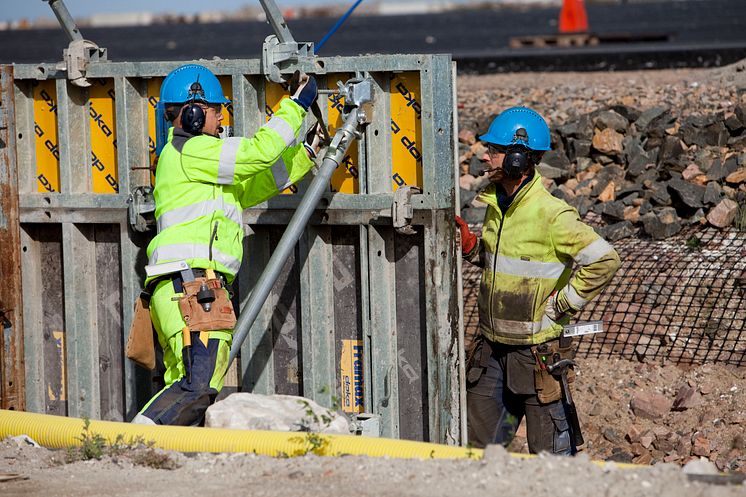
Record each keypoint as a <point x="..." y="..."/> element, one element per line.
<point x="403" y="303"/>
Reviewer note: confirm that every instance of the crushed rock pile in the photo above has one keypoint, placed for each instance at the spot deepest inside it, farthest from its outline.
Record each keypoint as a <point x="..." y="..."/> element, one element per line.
<point x="647" y="157"/>
<point x="646" y="413"/>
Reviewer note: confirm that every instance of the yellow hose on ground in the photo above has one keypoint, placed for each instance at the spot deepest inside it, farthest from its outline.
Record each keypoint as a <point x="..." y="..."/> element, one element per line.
<point x="56" y="432"/>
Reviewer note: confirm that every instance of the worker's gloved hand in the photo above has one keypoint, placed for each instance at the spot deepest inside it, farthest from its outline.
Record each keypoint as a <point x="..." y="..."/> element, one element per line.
<point x="557" y="306"/>
<point x="313" y="140"/>
<point x="304" y="89"/>
<point x="468" y="239"/>
<point x="550" y="308"/>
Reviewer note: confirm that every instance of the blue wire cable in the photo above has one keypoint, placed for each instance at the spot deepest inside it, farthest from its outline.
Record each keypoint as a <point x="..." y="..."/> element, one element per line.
<point x="336" y="26"/>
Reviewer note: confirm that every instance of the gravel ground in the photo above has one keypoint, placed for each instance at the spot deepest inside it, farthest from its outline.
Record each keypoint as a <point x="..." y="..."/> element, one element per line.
<point x="604" y="389"/>
<point x="230" y="474"/>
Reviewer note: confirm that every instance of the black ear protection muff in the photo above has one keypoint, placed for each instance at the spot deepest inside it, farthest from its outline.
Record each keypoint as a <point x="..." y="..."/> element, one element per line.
<point x="517" y="160"/>
<point x="192" y="115"/>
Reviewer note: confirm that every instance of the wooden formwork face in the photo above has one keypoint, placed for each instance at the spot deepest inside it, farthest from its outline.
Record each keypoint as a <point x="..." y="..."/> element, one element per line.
<point x="361" y="316"/>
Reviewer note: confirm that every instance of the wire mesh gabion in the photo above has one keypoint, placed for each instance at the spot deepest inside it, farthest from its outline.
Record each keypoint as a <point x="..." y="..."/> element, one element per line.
<point x="682" y="299"/>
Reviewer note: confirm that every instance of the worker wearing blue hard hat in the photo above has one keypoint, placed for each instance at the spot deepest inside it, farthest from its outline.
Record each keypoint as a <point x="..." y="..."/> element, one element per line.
<point x="529" y="244"/>
<point x="202" y="185"/>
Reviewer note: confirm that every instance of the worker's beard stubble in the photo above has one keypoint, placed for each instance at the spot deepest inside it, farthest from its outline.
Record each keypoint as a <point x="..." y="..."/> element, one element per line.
<point x="495" y="174"/>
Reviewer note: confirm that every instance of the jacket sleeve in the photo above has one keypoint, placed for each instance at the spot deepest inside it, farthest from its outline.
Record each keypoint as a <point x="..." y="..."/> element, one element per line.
<point x="476" y="255"/>
<point x="288" y="170"/>
<point x="596" y="260"/>
<point x="234" y="160"/>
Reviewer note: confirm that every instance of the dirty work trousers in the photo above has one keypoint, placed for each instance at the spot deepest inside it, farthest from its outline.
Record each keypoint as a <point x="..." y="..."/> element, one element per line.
<point x="184" y="399"/>
<point x="501" y="392"/>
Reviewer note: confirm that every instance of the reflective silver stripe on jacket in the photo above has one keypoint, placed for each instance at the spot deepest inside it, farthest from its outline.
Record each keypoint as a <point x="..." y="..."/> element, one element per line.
<point x="283" y="129"/>
<point x="194" y="211"/>
<point x="166" y="253"/>
<point x="227" y="162"/>
<point x="527" y="269"/>
<point x="593" y="252"/>
<point x="520" y="328"/>
<point x="280" y="173"/>
<point x="575" y="300"/>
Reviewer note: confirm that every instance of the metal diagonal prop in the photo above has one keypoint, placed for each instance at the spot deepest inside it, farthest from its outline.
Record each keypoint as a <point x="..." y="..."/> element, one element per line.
<point x="337" y="150"/>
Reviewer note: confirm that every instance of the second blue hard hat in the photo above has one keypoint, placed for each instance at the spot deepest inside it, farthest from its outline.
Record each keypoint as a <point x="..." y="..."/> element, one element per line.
<point x="504" y="129"/>
<point x="176" y="87"/>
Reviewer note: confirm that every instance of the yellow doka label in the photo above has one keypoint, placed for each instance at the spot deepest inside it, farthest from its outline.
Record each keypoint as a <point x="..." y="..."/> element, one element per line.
<point x="406" y="130"/>
<point x="345" y="178"/>
<point x="102" y="111"/>
<point x="351" y="376"/>
<point x="45" y="129"/>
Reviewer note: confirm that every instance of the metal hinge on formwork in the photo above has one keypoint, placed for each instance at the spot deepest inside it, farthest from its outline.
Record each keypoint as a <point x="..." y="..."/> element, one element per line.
<point x="280" y="50"/>
<point x="402" y="210"/>
<point x="141" y="209"/>
<point x="80" y="52"/>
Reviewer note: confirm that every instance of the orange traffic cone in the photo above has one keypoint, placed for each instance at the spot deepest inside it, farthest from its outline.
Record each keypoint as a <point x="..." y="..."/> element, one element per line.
<point x="573" y="18"/>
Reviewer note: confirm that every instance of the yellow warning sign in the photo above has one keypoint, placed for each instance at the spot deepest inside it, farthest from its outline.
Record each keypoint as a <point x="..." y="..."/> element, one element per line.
<point x="345" y="178"/>
<point x="101" y="108"/>
<point x="351" y="376"/>
<point x="406" y="130"/>
<point x="45" y="129"/>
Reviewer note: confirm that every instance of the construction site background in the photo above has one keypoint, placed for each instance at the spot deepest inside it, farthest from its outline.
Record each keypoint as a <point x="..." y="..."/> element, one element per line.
<point x="123" y="17"/>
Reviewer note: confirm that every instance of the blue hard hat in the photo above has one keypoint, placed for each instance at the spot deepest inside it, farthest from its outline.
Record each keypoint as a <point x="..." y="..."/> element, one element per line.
<point x="175" y="89"/>
<point x="504" y="129"/>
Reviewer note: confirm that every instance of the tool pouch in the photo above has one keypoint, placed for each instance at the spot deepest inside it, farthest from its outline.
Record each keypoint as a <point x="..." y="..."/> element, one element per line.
<point x="219" y="317"/>
<point x="140" y="344"/>
<point x="477" y="359"/>
<point x="519" y="371"/>
<point x="548" y="388"/>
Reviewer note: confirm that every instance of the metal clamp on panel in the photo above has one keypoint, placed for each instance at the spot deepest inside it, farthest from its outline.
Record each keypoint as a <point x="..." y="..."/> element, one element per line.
<point x="77" y="57"/>
<point x="280" y="52"/>
<point x="358" y="94"/>
<point x="402" y="211"/>
<point x="80" y="52"/>
<point x="141" y="209"/>
<point x="282" y="57"/>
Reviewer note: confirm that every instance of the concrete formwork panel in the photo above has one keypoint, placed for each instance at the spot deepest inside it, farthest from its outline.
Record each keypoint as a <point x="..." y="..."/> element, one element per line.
<point x="362" y="316"/>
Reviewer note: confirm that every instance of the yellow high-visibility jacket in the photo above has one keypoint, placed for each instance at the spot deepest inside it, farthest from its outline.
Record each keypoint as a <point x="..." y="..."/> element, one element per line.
<point x="527" y="254"/>
<point x="202" y="185"/>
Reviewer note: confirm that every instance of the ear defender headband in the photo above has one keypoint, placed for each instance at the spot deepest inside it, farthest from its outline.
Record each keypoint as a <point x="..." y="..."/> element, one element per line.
<point x="192" y="116"/>
<point x="517" y="160"/>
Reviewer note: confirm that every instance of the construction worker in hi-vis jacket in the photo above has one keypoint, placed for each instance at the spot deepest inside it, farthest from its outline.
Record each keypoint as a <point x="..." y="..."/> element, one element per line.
<point x="202" y="185"/>
<point x="529" y="244"/>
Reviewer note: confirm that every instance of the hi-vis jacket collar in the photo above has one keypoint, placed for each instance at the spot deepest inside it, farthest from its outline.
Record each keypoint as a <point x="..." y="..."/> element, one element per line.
<point x="489" y="195"/>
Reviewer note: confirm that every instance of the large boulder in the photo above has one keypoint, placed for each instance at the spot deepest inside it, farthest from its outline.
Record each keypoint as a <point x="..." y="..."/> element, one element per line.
<point x="610" y="119"/>
<point x="252" y="411"/>
<point x="662" y="223"/>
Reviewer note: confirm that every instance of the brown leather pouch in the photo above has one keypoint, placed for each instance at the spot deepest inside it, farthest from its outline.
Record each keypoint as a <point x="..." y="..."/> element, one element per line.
<point x="220" y="316"/>
<point x="548" y="387"/>
<point x="140" y="345"/>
